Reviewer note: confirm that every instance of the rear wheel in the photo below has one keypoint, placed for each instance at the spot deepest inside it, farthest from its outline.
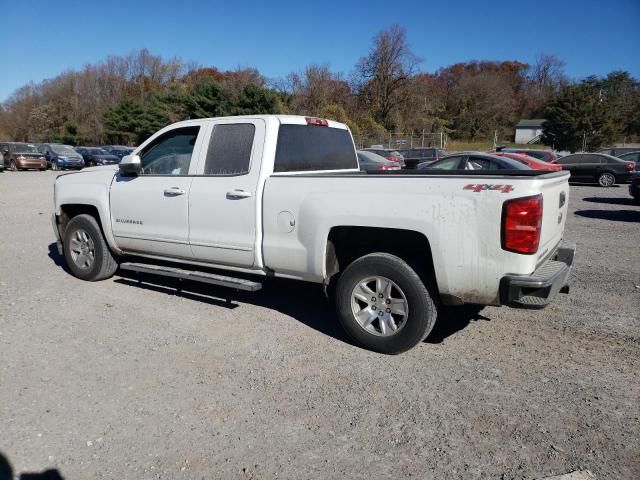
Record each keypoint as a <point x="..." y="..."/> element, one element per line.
<point x="86" y="251"/>
<point x="606" y="179"/>
<point x="383" y="304"/>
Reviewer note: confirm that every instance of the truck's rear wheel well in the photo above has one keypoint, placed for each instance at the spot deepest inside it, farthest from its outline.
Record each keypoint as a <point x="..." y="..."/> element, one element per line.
<point x="346" y="244"/>
<point x="71" y="210"/>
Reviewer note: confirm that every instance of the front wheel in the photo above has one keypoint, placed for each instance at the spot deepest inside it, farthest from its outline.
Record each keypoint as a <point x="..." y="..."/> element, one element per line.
<point x="12" y="166"/>
<point x="54" y="166"/>
<point x="383" y="304"/>
<point x="606" y="179"/>
<point x="86" y="251"/>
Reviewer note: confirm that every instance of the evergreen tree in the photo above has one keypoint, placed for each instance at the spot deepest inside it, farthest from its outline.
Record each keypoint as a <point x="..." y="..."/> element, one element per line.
<point x="577" y="113"/>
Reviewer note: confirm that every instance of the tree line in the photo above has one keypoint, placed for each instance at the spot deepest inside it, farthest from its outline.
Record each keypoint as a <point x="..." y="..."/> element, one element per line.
<point x="124" y="99"/>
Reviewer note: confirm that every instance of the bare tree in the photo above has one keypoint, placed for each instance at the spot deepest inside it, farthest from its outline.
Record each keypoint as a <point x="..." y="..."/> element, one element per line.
<point x="548" y="72"/>
<point x="386" y="71"/>
<point x="316" y="87"/>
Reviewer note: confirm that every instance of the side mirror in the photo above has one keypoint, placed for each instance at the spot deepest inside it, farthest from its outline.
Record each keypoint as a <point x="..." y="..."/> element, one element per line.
<point x="130" y="165"/>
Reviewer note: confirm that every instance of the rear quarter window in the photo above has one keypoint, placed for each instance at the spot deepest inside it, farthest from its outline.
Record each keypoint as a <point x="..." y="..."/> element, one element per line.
<point x="304" y="148"/>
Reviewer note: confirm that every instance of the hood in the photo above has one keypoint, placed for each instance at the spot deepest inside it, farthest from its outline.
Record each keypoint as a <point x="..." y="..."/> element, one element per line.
<point x="97" y="175"/>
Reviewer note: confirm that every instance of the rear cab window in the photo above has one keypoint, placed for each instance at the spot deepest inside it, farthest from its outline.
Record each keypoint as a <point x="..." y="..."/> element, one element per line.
<point x="308" y="148"/>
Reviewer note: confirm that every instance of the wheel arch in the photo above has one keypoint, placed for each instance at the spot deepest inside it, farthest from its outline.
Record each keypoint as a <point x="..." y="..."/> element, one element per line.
<point x="348" y="243"/>
<point x="70" y="210"/>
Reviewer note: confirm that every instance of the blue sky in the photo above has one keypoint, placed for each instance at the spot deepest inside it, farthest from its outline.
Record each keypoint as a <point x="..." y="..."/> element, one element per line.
<point x="40" y="39"/>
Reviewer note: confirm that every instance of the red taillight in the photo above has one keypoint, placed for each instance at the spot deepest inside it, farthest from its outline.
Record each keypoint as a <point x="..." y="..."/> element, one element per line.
<point x="631" y="166"/>
<point x="320" y="122"/>
<point x="392" y="158"/>
<point x="521" y="224"/>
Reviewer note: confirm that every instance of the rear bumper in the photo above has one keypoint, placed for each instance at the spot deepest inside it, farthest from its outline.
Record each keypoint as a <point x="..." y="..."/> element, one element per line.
<point x="541" y="287"/>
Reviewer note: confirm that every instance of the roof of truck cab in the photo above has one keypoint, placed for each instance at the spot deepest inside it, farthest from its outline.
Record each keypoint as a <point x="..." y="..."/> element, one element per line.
<point x="284" y="119"/>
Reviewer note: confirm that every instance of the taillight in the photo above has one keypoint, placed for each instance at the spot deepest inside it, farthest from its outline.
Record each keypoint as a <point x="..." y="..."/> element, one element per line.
<point x="521" y="224"/>
<point x="392" y="158"/>
<point x="631" y="166"/>
<point x="320" y="122"/>
<point x="386" y="166"/>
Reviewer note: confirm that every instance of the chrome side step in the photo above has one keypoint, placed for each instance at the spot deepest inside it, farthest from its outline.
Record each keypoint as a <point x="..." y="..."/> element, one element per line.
<point x="203" y="277"/>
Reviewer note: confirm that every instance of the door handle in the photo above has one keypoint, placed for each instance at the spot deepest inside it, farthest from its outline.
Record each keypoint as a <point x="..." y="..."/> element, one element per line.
<point x="238" y="194"/>
<point x="173" y="192"/>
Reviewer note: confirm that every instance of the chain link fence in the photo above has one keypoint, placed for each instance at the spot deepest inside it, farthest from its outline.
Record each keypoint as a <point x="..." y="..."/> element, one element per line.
<point x="403" y="141"/>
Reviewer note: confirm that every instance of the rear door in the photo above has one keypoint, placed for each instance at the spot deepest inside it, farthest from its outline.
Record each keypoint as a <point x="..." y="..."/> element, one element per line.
<point x="224" y="199"/>
<point x="572" y="163"/>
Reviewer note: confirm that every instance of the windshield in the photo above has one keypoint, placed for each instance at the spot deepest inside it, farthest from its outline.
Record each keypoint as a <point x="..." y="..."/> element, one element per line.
<point x="25" y="148"/>
<point x="63" y="149"/>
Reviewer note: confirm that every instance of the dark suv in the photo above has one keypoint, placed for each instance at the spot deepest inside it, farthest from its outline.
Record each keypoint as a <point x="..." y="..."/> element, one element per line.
<point x="94" y="156"/>
<point x="597" y="167"/>
<point x="414" y="156"/>
<point x="22" y="156"/>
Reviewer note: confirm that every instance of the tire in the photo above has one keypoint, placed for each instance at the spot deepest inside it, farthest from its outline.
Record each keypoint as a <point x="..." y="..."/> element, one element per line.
<point x="407" y="294"/>
<point x="12" y="166"/>
<point x="606" y="179"/>
<point x="85" y="250"/>
<point x="54" y="166"/>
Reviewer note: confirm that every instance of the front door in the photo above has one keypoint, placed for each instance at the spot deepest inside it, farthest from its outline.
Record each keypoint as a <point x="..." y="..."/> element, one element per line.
<point x="224" y="196"/>
<point x="150" y="211"/>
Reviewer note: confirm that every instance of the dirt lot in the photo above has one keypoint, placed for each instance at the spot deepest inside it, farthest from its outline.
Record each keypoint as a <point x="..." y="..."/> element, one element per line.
<point x="120" y="380"/>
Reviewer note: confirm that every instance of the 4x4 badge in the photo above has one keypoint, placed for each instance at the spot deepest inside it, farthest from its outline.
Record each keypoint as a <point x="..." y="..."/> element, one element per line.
<point x="487" y="186"/>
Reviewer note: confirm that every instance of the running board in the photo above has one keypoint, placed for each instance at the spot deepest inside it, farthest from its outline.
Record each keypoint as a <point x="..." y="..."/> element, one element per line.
<point x="211" y="278"/>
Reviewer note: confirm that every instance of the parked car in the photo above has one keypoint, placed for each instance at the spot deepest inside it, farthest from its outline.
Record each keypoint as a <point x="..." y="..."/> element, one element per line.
<point x="1" y="162"/>
<point x="370" y="161"/>
<point x="631" y="157"/>
<point x="61" y="157"/>
<point x="530" y="162"/>
<point x="603" y="169"/>
<point x="118" y="150"/>
<point x="281" y="196"/>
<point x="94" y="156"/>
<point x="544" y="155"/>
<point x="415" y="156"/>
<point x="388" y="153"/>
<point x="634" y="187"/>
<point x="473" y="161"/>
<point x="617" y="151"/>
<point x="22" y="156"/>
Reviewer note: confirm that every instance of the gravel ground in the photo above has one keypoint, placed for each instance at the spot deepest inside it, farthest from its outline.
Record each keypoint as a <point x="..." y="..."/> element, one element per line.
<point x="120" y="380"/>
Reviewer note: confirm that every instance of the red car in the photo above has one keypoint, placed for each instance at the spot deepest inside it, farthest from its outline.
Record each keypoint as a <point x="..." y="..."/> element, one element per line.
<point x="530" y="161"/>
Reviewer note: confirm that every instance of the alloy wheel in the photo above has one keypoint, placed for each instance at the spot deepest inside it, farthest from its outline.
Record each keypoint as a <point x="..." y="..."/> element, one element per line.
<point x="83" y="251"/>
<point x="379" y="306"/>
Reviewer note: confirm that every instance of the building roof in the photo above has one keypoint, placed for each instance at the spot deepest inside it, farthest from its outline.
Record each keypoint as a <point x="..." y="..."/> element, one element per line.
<point x="531" y="123"/>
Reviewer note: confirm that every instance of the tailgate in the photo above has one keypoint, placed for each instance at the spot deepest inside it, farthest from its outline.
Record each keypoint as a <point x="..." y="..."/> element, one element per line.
<point x="555" y="204"/>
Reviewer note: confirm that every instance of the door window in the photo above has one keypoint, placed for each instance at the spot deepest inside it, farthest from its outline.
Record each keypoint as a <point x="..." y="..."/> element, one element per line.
<point x="170" y="154"/>
<point x="229" y="151"/>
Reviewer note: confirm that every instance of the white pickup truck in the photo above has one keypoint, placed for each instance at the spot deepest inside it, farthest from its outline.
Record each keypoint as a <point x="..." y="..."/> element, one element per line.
<point x="282" y="196"/>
